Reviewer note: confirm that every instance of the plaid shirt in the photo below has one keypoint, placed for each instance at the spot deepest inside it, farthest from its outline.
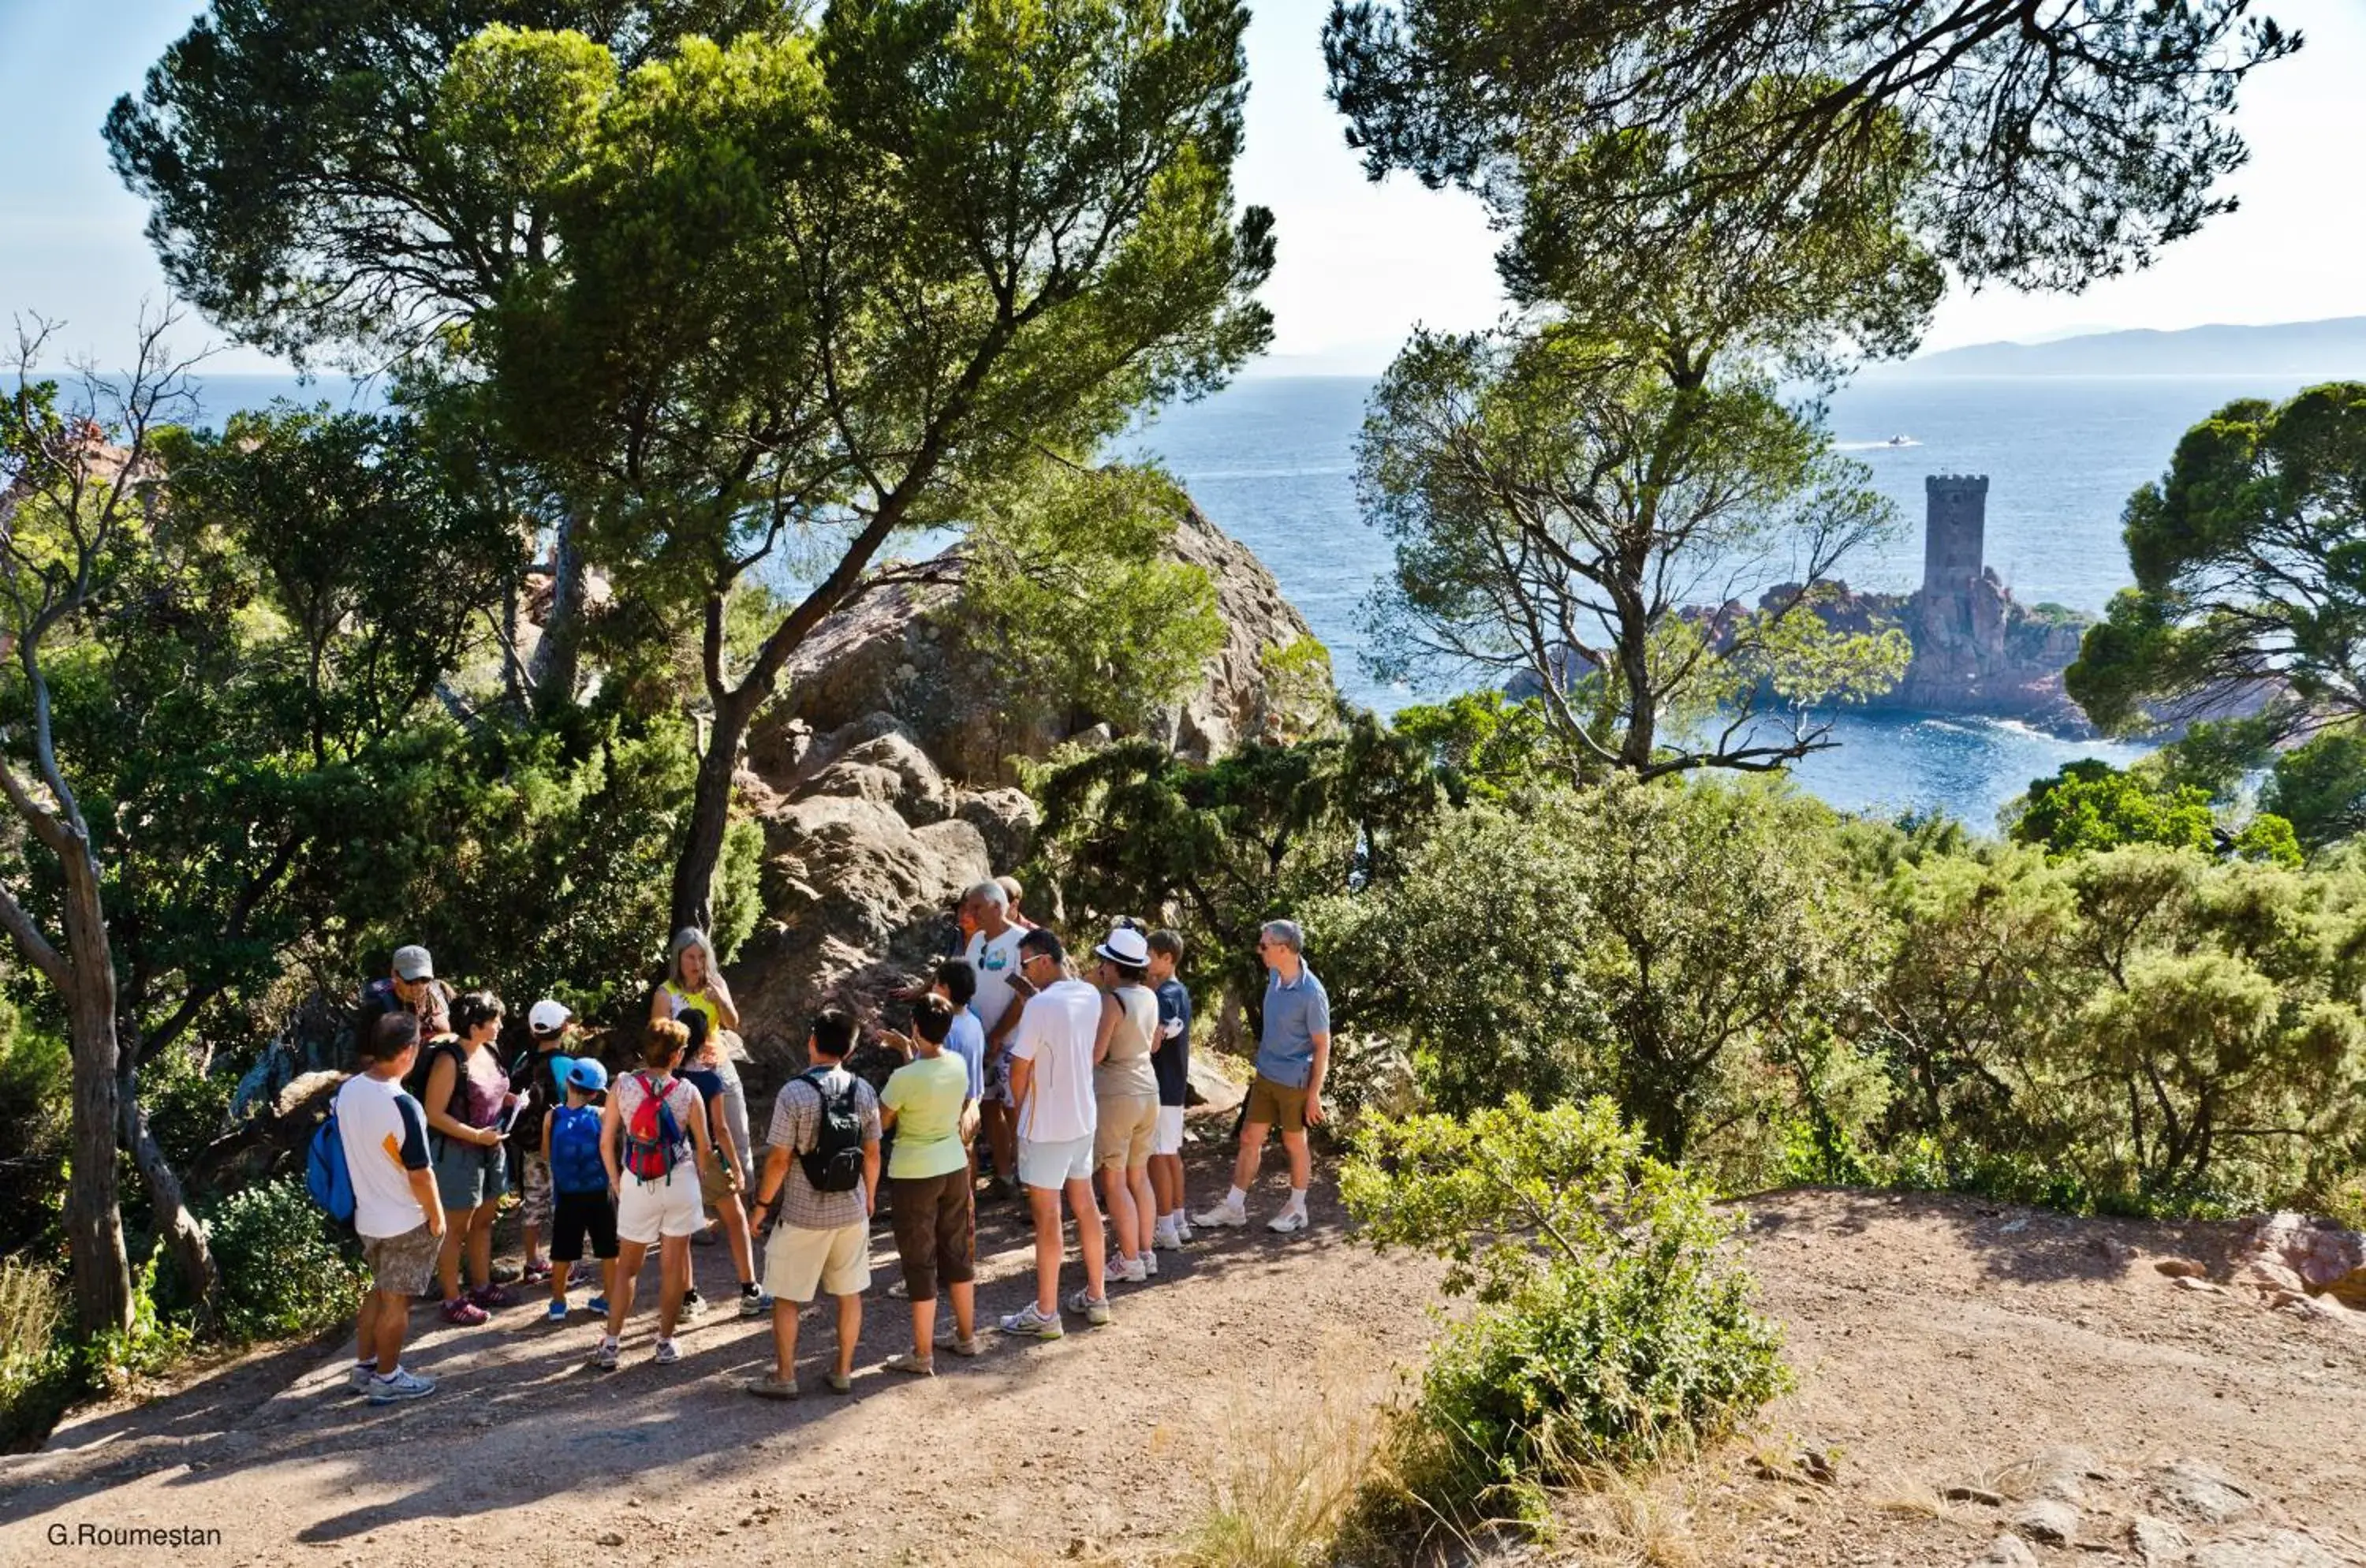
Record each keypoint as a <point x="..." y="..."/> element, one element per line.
<point x="796" y="1127"/>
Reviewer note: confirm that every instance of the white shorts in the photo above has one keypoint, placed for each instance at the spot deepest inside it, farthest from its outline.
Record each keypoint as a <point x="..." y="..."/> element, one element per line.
<point x="1166" y="1138"/>
<point x="1055" y="1165"/>
<point x="797" y="1259"/>
<point x="669" y="1206"/>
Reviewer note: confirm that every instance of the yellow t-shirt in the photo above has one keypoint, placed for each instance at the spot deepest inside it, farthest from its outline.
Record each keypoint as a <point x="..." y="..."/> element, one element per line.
<point x="927" y="1094"/>
<point x="695" y="1001"/>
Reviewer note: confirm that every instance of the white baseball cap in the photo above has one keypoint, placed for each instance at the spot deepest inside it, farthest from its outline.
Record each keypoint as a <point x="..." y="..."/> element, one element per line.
<point x="548" y="1017"/>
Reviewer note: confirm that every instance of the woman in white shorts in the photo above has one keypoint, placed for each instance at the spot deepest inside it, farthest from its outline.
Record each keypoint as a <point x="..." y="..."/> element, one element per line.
<point x="652" y="1124"/>
<point x="1125" y="1093"/>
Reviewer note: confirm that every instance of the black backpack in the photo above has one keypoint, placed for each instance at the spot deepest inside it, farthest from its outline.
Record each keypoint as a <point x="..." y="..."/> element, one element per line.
<point x="835" y="1162"/>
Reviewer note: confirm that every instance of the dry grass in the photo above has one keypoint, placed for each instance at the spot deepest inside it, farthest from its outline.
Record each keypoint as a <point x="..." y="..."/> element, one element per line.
<point x="1295" y="1469"/>
<point x="33" y="1307"/>
<point x="1679" y="1513"/>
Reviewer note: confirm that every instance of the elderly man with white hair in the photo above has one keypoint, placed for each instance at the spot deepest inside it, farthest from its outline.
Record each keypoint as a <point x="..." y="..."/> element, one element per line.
<point x="993" y="955"/>
<point x="1293" y="1056"/>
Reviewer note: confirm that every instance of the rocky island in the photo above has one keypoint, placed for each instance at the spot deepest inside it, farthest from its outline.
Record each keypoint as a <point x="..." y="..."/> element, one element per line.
<point x="1978" y="650"/>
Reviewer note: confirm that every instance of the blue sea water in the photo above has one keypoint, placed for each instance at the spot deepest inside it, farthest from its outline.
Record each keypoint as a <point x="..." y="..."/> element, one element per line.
<point x="1271" y="460"/>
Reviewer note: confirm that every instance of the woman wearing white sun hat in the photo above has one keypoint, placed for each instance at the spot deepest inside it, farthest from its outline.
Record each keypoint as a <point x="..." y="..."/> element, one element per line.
<point x="1125" y="1090"/>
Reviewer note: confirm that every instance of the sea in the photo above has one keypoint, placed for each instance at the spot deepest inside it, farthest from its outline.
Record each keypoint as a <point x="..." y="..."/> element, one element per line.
<point x="1271" y="459"/>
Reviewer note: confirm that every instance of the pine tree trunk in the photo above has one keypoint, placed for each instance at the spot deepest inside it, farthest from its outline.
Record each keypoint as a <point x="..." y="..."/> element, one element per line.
<point x="178" y="1229"/>
<point x="555" y="669"/>
<point x="710" y="814"/>
<point x="93" y="1218"/>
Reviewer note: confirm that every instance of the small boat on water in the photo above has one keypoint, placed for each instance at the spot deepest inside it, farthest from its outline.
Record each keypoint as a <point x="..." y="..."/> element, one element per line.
<point x="1899" y="441"/>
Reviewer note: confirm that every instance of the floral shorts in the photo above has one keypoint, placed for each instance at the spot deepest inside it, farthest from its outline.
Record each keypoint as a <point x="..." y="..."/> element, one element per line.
<point x="402" y="1264"/>
<point x="536" y="1210"/>
<point x="995" y="1075"/>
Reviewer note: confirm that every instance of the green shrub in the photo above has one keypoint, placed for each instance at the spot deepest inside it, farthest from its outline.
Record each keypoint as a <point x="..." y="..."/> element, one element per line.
<point x="34" y="1069"/>
<point x="1613" y="1326"/>
<point x="281" y="1272"/>
<point x="187" y="1106"/>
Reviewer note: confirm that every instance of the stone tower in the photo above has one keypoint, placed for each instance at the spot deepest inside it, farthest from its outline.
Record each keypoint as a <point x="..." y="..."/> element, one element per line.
<point x="1952" y="531"/>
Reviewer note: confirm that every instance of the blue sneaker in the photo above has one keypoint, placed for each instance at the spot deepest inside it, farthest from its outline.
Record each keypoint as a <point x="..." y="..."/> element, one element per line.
<point x="557" y="1313"/>
<point x="598" y="1304"/>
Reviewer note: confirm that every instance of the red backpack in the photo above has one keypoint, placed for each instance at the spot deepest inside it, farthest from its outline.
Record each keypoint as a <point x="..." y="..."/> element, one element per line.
<point x="653" y="1135"/>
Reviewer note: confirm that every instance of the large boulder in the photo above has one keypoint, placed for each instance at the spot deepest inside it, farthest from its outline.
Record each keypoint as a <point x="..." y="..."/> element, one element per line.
<point x="863" y="860"/>
<point x="901" y="652"/>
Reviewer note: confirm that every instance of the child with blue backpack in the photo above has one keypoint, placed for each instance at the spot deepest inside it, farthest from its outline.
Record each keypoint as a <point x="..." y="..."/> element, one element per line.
<point x="581" y="1205"/>
<point x="371" y="1163"/>
<point x="646" y="1135"/>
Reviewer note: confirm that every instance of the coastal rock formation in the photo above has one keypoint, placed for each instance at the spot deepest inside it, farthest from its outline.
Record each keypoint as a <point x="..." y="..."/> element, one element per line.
<point x="883" y="778"/>
<point x="1977" y="650"/>
<point x="901" y="651"/>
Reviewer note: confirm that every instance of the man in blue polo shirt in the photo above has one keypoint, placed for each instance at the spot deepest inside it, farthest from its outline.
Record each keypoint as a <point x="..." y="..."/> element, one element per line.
<point x="1293" y="1054"/>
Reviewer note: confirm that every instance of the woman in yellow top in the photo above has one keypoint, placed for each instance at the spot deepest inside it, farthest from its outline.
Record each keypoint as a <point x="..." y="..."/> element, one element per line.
<point x="695" y="983"/>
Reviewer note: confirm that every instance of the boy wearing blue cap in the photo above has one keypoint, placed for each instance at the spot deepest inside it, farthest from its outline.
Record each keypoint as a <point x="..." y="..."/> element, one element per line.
<point x="582" y="1204"/>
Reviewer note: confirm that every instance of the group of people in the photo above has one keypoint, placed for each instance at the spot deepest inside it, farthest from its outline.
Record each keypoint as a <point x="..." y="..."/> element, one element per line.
<point x="1067" y="1070"/>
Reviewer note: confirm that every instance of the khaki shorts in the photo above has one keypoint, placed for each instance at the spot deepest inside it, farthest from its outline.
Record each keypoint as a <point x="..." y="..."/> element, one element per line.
<point x="797" y="1259"/>
<point x="1122" y="1135"/>
<point x="1277" y="1105"/>
<point x="402" y="1265"/>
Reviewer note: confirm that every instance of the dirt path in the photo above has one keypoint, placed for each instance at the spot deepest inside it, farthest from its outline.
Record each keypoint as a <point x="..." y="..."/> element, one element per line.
<point x="523" y="1455"/>
<point x="1942" y="1343"/>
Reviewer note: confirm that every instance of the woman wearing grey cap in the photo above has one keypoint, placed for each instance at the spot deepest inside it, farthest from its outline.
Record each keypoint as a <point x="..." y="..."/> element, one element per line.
<point x="410" y="986"/>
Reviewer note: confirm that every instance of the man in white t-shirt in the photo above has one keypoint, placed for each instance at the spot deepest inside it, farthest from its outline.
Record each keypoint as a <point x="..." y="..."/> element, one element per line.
<point x="397" y="1212"/>
<point x="1052" y="1085"/>
<point x="993" y="956"/>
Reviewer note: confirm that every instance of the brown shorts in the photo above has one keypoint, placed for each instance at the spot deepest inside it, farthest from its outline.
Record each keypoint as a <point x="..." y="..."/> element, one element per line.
<point x="402" y="1264"/>
<point x="1278" y="1105"/>
<point x="936" y="1231"/>
<point x="1123" y="1131"/>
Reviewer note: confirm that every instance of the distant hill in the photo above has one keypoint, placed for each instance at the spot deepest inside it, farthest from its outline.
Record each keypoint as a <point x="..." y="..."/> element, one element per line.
<point x="2322" y="350"/>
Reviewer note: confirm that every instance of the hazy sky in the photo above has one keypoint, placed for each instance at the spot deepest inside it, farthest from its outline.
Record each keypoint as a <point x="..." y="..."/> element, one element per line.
<point x="1359" y="264"/>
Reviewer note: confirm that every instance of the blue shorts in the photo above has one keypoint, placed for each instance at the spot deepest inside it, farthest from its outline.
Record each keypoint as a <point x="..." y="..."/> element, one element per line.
<point x="469" y="1175"/>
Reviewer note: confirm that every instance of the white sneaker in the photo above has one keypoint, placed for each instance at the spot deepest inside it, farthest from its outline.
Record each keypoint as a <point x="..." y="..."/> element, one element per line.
<point x="1166" y="1236"/>
<point x="666" y="1354"/>
<point x="404" y="1384"/>
<point x="1182" y="1233"/>
<point x="1287" y="1221"/>
<point x="357" y="1377"/>
<point x="1224" y="1216"/>
<point x="1128" y="1272"/>
<point x="1030" y="1323"/>
<point x="1148" y="1259"/>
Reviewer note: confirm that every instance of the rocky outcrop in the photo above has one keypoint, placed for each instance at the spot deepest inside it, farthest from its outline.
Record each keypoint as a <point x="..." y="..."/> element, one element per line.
<point x="1978" y="651"/>
<point x="883" y="784"/>
<point x="903" y="651"/>
<point x="867" y="847"/>
<point x="2294" y="1254"/>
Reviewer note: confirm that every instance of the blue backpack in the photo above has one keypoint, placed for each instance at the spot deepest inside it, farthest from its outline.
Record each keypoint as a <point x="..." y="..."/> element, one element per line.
<point x="325" y="1174"/>
<point x="575" y="1150"/>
